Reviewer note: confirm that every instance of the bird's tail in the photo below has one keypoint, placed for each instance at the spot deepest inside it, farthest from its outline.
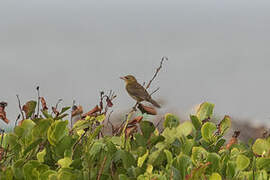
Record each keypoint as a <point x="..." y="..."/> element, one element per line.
<point x="153" y="102"/>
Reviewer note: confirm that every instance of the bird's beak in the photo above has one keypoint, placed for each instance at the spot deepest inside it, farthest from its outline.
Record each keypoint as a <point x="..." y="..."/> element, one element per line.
<point x="123" y="78"/>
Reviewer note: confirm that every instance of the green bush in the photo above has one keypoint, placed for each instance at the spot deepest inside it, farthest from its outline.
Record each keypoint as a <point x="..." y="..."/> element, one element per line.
<point x="46" y="149"/>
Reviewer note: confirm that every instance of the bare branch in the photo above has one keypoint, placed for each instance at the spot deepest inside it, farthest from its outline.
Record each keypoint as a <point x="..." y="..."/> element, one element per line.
<point x="38" y="101"/>
<point x="154" y="91"/>
<point x="58" y="102"/>
<point x="20" y="107"/>
<point x="101" y="168"/>
<point x="18" y="117"/>
<point x="72" y="109"/>
<point x="157" y="70"/>
<point x="108" y="120"/>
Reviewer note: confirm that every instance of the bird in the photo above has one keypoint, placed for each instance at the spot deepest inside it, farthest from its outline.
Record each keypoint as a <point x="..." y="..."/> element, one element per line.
<point x="137" y="91"/>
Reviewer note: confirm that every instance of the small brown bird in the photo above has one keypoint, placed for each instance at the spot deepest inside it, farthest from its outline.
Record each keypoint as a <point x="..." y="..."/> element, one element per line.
<point x="137" y="91"/>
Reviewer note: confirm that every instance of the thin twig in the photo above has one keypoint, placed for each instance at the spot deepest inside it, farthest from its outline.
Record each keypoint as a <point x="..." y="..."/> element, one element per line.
<point x="155" y="91"/>
<point x="18" y="117"/>
<point x="20" y="107"/>
<point x="126" y="119"/>
<point x="108" y="121"/>
<point x="38" y="101"/>
<point x="71" y="123"/>
<point x="156" y="126"/>
<point x="101" y="168"/>
<point x="74" y="147"/>
<point x="58" y="102"/>
<point x="157" y="70"/>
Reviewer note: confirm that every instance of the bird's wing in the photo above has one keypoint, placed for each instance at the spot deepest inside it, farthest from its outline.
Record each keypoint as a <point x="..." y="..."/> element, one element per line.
<point x="138" y="91"/>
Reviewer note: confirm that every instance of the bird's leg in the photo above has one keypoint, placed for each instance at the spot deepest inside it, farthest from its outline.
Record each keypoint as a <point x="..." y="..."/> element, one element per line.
<point x="134" y="108"/>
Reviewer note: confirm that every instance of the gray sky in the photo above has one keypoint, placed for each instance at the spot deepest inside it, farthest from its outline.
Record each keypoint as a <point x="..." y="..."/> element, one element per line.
<point x="218" y="51"/>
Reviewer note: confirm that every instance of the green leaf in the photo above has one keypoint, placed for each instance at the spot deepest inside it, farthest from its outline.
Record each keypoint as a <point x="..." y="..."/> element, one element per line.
<point x="66" y="174"/>
<point x="142" y="159"/>
<point x="7" y="174"/>
<point x="183" y="163"/>
<point x="18" y="169"/>
<point x="242" y="162"/>
<point x="225" y="125"/>
<point x="57" y="131"/>
<point x="208" y="130"/>
<point x="261" y="147"/>
<point x="169" y="135"/>
<point x="199" y="155"/>
<point x="127" y="158"/>
<point x="66" y="143"/>
<point x="46" y="114"/>
<point x="263" y="163"/>
<point x="25" y="128"/>
<point x="48" y="175"/>
<point x="184" y="129"/>
<point x="32" y="169"/>
<point x="11" y="139"/>
<point x="196" y="122"/>
<point x="147" y="128"/>
<point x="205" y="111"/>
<point x="214" y="159"/>
<point x="96" y="148"/>
<point x="65" y="162"/>
<point x="123" y="177"/>
<point x="231" y="169"/>
<point x="41" y="128"/>
<point x="41" y="155"/>
<point x="169" y="157"/>
<point x="32" y="146"/>
<point x="215" y="176"/>
<point x="170" y="120"/>
<point x="64" y="109"/>
<point x="101" y="118"/>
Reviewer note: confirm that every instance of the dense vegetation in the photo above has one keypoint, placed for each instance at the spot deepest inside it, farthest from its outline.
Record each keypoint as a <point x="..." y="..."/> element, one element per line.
<point x="45" y="148"/>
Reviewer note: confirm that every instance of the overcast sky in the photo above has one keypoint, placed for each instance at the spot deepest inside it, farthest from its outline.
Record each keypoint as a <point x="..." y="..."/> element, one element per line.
<point x="218" y="51"/>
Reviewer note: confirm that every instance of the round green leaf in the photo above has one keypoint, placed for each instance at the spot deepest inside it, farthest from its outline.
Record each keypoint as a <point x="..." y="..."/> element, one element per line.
<point x="225" y="125"/>
<point x="215" y="176"/>
<point x="170" y="120"/>
<point x="205" y="111"/>
<point x="184" y="129"/>
<point x="142" y="159"/>
<point x="242" y="162"/>
<point x="261" y="147"/>
<point x="65" y="162"/>
<point x="41" y="155"/>
<point x="199" y="155"/>
<point x="208" y="130"/>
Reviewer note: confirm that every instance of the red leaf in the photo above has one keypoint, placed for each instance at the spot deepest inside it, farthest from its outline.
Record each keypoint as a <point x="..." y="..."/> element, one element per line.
<point x="233" y="140"/>
<point x="109" y="102"/>
<point x="92" y="111"/>
<point x="3" y="113"/>
<point x="136" y="120"/>
<point x="55" y="111"/>
<point x="43" y="103"/>
<point x="78" y="110"/>
<point x="147" y="109"/>
<point x="130" y="130"/>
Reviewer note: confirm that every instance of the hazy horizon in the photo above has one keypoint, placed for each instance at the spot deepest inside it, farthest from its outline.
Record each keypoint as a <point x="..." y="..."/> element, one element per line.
<point x="218" y="52"/>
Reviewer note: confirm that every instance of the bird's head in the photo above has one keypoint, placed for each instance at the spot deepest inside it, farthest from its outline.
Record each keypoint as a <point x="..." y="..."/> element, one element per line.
<point x="129" y="79"/>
